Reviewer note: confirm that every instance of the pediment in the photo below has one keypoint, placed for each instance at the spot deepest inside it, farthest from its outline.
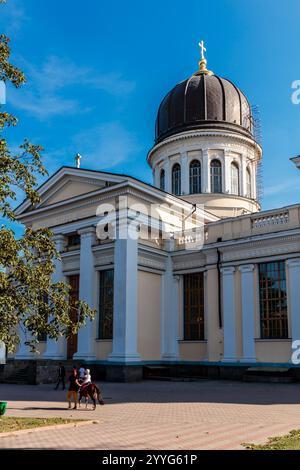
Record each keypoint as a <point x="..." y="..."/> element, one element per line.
<point x="69" y="188"/>
<point x="69" y="183"/>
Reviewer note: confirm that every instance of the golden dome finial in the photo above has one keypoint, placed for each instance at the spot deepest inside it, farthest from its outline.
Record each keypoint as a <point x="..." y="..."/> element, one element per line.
<point x="203" y="61"/>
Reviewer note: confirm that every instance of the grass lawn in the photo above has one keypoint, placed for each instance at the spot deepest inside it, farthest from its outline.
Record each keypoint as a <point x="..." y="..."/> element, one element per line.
<point x="289" y="442"/>
<point x="10" y="423"/>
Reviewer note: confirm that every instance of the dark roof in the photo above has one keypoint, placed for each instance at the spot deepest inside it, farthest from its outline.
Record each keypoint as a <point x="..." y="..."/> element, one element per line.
<point x="203" y="101"/>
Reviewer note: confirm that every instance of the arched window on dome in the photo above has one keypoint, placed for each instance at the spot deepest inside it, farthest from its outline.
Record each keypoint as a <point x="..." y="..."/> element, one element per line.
<point x="235" y="179"/>
<point x="248" y="183"/>
<point x="162" y="179"/>
<point x="216" y="176"/>
<point x="195" y="177"/>
<point x="176" y="179"/>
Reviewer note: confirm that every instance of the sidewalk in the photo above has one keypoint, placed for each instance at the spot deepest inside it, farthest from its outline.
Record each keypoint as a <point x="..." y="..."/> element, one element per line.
<point x="159" y="415"/>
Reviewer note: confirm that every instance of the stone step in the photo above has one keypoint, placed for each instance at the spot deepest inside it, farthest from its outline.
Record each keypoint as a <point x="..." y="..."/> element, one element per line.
<point x="268" y="375"/>
<point x="156" y="372"/>
<point x="176" y="379"/>
<point x="268" y="379"/>
<point x="17" y="382"/>
<point x="18" y="377"/>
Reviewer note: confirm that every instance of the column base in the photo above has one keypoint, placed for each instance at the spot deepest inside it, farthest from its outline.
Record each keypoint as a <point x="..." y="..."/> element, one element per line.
<point x="124" y="358"/>
<point x="170" y="357"/>
<point x="24" y="357"/>
<point x="54" y="357"/>
<point x="248" y="359"/>
<point x="229" y="359"/>
<point x="84" y="356"/>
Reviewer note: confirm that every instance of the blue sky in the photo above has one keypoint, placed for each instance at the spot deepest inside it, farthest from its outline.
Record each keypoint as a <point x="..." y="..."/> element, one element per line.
<point x="97" y="71"/>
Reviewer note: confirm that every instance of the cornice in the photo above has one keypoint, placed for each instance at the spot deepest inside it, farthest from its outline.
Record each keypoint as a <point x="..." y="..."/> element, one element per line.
<point x="104" y="194"/>
<point x="261" y="250"/>
<point x="190" y="134"/>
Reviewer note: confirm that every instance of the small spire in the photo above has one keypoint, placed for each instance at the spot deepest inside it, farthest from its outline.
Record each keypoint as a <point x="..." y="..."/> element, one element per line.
<point x="77" y="160"/>
<point x="203" y="61"/>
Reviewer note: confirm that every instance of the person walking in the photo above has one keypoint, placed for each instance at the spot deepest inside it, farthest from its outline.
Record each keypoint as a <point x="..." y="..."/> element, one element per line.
<point x="61" y="376"/>
<point x="73" y="388"/>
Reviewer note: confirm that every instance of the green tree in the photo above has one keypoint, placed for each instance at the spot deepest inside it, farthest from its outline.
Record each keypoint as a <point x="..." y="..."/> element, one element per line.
<point x="28" y="298"/>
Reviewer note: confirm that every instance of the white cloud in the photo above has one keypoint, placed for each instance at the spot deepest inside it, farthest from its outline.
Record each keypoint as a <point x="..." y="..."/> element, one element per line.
<point x="287" y="186"/>
<point x="105" y="146"/>
<point x="42" y="107"/>
<point x="42" y="97"/>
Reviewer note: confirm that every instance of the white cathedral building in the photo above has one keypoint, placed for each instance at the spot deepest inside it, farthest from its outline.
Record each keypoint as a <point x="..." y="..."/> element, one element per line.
<point x="209" y="285"/>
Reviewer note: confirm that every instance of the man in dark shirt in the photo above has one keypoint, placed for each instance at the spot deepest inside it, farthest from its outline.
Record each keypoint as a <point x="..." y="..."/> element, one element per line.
<point x="61" y="376"/>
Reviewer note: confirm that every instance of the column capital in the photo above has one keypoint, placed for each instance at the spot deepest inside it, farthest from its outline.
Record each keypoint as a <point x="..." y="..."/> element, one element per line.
<point x="246" y="268"/>
<point x="228" y="270"/>
<point x="87" y="231"/>
<point x="60" y="241"/>
<point x="293" y="263"/>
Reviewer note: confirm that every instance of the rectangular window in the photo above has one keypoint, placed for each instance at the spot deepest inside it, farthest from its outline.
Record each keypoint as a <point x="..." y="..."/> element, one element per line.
<point x="273" y="300"/>
<point x="73" y="240"/>
<point x="106" y="304"/>
<point x="193" y="298"/>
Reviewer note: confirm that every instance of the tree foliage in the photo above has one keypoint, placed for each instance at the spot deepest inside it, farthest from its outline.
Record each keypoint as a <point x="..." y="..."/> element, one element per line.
<point x="29" y="300"/>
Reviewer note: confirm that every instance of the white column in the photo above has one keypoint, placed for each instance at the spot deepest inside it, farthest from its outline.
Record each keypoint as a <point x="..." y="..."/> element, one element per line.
<point x="248" y="314"/>
<point x="229" y="314"/>
<point x="253" y="180"/>
<point x="168" y="179"/>
<point x="205" y="171"/>
<point x="2" y="353"/>
<point x="293" y="266"/>
<point x="156" y="176"/>
<point x="227" y="174"/>
<point x="56" y="349"/>
<point x="184" y="173"/>
<point x="169" y="313"/>
<point x="24" y="350"/>
<point x="244" y="176"/>
<point x="87" y="287"/>
<point x="125" y="297"/>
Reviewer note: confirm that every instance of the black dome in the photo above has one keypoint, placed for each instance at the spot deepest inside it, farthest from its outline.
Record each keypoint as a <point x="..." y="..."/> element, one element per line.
<point x="203" y="102"/>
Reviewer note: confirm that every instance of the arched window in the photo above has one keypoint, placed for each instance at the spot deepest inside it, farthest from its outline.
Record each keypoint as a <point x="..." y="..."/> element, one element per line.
<point x="248" y="183"/>
<point x="235" y="179"/>
<point x="162" y="179"/>
<point x="195" y="177"/>
<point x="176" y="179"/>
<point x="216" y="176"/>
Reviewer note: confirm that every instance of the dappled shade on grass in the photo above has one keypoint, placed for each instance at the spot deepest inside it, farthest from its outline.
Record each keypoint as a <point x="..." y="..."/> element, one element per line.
<point x="290" y="441"/>
<point x="10" y="423"/>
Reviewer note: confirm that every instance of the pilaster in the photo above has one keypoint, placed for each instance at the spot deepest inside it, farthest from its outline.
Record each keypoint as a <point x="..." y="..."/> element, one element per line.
<point x="229" y="314"/>
<point x="87" y="288"/>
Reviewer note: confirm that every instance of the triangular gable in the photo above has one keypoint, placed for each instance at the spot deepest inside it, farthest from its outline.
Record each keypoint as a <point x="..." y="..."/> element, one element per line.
<point x="68" y="188"/>
<point x="68" y="183"/>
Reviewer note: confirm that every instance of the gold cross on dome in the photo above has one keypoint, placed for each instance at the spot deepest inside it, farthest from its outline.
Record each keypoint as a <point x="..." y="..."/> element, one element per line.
<point x="201" y="45"/>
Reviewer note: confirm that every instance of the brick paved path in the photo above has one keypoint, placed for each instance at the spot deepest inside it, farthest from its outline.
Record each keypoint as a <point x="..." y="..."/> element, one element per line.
<point x="160" y="415"/>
